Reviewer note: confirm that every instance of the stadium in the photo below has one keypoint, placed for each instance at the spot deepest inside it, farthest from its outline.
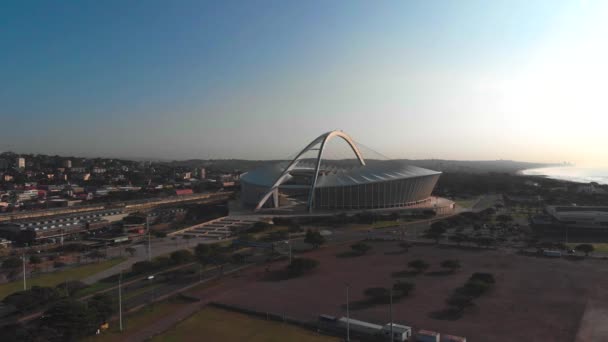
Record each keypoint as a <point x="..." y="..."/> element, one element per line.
<point x="313" y="182"/>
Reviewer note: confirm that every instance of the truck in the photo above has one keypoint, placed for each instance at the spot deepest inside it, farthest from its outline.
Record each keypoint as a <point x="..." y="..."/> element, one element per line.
<point x="427" y="336"/>
<point x="552" y="254"/>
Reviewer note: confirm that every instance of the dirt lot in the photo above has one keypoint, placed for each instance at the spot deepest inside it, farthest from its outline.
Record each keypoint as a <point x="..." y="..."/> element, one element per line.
<point x="534" y="299"/>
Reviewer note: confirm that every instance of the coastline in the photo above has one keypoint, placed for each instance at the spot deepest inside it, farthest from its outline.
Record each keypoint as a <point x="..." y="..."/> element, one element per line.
<point x="569" y="174"/>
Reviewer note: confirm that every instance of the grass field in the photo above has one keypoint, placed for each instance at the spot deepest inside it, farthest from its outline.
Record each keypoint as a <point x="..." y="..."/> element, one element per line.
<point x="139" y="319"/>
<point x="466" y="203"/>
<point x="221" y="325"/>
<point x="384" y="224"/>
<point x="598" y="247"/>
<point x="54" y="278"/>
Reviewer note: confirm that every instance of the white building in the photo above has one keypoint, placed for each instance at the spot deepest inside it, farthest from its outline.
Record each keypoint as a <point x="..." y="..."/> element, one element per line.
<point x="400" y="332"/>
<point x="21" y="163"/>
<point x="584" y="217"/>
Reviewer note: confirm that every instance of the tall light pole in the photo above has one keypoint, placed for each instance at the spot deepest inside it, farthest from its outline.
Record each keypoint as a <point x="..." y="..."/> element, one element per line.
<point x="24" y="284"/>
<point x="120" y="300"/>
<point x="289" y="244"/>
<point x="149" y="245"/>
<point x="391" y="313"/>
<point x="347" y="315"/>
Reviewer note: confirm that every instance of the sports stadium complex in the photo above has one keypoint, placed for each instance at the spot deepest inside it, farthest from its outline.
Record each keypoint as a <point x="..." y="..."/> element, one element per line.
<point x="316" y="183"/>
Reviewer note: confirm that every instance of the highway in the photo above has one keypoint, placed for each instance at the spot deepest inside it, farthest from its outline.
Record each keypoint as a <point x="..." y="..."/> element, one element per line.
<point x="127" y="206"/>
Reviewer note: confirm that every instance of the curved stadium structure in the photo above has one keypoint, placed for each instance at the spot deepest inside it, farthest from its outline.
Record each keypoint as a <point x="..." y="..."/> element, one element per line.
<point x="316" y="184"/>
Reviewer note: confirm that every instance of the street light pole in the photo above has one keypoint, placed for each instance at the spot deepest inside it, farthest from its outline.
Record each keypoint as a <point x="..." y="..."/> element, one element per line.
<point x="149" y="245"/>
<point x="120" y="300"/>
<point x="24" y="283"/>
<point x="347" y="315"/>
<point x="391" y="314"/>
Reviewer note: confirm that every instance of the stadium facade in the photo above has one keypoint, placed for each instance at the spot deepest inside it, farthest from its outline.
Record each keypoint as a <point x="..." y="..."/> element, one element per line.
<point x="311" y="182"/>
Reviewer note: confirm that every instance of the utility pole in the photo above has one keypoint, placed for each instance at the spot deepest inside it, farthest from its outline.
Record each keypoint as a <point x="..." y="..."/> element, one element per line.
<point x="24" y="284"/>
<point x="391" y="313"/>
<point x="120" y="300"/>
<point x="149" y="245"/>
<point x="347" y="315"/>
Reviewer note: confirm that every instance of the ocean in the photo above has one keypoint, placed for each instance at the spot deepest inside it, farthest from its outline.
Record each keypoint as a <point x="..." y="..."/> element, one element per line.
<point x="571" y="173"/>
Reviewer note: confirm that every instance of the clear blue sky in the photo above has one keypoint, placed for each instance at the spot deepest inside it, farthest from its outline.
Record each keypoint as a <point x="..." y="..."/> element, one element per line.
<point x="259" y="79"/>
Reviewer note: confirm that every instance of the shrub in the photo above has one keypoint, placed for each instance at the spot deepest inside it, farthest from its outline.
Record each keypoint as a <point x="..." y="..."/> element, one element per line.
<point x="360" y="248"/>
<point x="452" y="265"/>
<point x="181" y="256"/>
<point x="31" y="299"/>
<point x="71" y="287"/>
<point x="299" y="266"/>
<point x="485" y="277"/>
<point x="419" y="265"/>
<point x="377" y="294"/>
<point x="402" y="289"/>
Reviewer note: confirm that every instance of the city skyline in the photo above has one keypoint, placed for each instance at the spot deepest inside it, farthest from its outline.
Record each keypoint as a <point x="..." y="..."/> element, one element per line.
<point x="459" y="80"/>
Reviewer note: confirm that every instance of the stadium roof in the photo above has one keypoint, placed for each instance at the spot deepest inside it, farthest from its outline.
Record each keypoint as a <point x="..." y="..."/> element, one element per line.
<point x="380" y="171"/>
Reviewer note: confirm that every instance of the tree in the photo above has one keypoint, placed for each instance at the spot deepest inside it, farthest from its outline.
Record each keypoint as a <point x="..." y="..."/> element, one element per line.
<point x="96" y="255"/>
<point x="207" y="253"/>
<point x="70" y="319"/>
<point x="131" y="250"/>
<point x="460" y="301"/>
<point x="35" y="259"/>
<point x="436" y="231"/>
<point x="585" y="248"/>
<point x="458" y="238"/>
<point x="100" y="308"/>
<point x="360" y="248"/>
<point x="402" y="289"/>
<point x="10" y="263"/>
<point x="299" y="266"/>
<point x="419" y="265"/>
<point x="314" y="238"/>
<point x="70" y="287"/>
<point x="181" y="257"/>
<point x="452" y="265"/>
<point x="33" y="298"/>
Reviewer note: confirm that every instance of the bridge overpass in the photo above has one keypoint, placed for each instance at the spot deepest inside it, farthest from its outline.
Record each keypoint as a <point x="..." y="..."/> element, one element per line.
<point x="126" y="206"/>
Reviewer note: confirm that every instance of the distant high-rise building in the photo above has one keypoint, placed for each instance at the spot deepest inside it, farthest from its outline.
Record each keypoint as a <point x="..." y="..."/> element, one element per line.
<point x="67" y="164"/>
<point x="21" y="163"/>
<point x="3" y="164"/>
<point x="203" y="173"/>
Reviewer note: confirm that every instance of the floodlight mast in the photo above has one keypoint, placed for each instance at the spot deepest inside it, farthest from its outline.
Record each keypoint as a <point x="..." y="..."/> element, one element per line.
<point x="322" y="139"/>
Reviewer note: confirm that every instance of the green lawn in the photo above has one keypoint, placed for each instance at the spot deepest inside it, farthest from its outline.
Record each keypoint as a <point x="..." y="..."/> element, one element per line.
<point x="139" y="319"/>
<point x="57" y="277"/>
<point x="384" y="224"/>
<point x="466" y="203"/>
<point x="599" y="247"/>
<point x="221" y="325"/>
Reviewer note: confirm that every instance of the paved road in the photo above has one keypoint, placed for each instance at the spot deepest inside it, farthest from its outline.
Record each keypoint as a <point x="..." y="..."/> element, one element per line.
<point x="159" y="246"/>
